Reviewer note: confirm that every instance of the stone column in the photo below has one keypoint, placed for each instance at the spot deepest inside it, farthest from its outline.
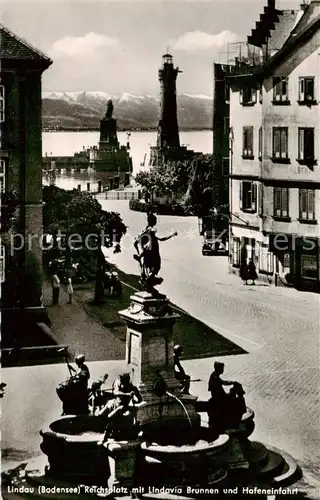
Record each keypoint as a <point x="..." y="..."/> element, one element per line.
<point x="149" y="357"/>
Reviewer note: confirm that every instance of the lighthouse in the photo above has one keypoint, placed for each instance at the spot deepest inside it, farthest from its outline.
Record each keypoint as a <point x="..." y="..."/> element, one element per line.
<point x="168" y="131"/>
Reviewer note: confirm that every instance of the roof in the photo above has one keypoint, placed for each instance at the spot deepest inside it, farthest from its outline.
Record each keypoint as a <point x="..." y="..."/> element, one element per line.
<point x="14" y="47"/>
<point x="282" y="29"/>
<point x="302" y="31"/>
<point x="300" y="34"/>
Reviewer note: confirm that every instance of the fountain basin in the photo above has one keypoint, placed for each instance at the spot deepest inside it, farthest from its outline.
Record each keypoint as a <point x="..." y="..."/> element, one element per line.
<point x="71" y="445"/>
<point x="185" y="452"/>
<point x="188" y="464"/>
<point x="246" y="427"/>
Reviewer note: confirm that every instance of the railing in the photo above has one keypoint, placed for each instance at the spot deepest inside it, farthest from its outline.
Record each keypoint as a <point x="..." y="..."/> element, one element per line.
<point x="122" y="195"/>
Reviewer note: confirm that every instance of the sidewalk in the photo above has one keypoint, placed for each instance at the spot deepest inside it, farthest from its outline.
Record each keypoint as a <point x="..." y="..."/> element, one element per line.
<point x="72" y="326"/>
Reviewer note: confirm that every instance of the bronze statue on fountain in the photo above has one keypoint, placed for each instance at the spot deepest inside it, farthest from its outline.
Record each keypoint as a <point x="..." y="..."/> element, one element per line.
<point x="225" y="409"/>
<point x="148" y="254"/>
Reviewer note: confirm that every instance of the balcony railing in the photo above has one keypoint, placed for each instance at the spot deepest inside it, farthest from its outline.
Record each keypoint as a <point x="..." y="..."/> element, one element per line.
<point x="241" y="55"/>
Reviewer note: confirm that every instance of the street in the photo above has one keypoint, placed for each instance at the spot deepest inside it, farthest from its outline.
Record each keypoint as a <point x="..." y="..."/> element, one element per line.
<point x="278" y="327"/>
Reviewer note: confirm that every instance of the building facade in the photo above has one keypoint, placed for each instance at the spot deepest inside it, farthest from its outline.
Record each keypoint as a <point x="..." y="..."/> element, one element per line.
<point x="275" y="152"/>
<point x="21" y="167"/>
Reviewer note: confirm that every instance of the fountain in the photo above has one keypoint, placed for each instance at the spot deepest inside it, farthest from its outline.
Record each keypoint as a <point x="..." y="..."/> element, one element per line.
<point x="170" y="451"/>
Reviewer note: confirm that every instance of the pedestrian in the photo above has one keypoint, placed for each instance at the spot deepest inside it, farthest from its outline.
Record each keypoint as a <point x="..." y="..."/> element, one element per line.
<point x="244" y="272"/>
<point x="55" y="289"/>
<point x="70" y="290"/>
<point x="252" y="271"/>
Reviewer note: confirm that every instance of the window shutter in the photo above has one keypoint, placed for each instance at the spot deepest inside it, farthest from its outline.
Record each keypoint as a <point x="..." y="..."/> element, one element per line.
<point x="254" y="196"/>
<point x="284" y="88"/>
<point x="250" y="141"/>
<point x="241" y="96"/>
<point x="276" y="201"/>
<point x="260" y="143"/>
<point x="303" y="203"/>
<point x="240" y="191"/>
<point x="285" y="202"/>
<point x="311" y="208"/>
<point x="301" y="89"/>
<point x="284" y="143"/>
<point x="301" y="143"/>
<point x="309" y="89"/>
<point x="260" y="199"/>
<point x="276" y="142"/>
<point x="244" y="141"/>
<point x="260" y="95"/>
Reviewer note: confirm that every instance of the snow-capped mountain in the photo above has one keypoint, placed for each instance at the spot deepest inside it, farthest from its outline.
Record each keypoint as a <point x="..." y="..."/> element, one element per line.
<point x="84" y="109"/>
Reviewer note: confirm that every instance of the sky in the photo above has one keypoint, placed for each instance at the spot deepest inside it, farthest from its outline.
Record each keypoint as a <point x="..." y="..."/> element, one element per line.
<point x="116" y="47"/>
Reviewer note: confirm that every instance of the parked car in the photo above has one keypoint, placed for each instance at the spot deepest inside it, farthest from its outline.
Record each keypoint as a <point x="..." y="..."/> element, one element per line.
<point x="213" y="246"/>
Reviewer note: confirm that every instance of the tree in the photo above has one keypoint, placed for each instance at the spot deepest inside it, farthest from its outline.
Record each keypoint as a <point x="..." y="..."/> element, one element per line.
<point x="189" y="182"/>
<point x="78" y="227"/>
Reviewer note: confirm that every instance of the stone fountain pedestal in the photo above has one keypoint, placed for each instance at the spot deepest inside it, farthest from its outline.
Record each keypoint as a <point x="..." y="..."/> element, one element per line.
<point x="174" y="443"/>
<point x="149" y="357"/>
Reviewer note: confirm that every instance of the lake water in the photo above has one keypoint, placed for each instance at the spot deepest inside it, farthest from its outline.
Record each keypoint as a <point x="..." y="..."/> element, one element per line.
<point x="67" y="143"/>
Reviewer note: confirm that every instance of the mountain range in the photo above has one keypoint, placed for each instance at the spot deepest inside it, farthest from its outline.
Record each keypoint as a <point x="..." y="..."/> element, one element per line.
<point x="77" y="110"/>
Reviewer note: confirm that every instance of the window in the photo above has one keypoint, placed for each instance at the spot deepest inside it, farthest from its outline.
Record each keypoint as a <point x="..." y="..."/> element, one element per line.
<point x="226" y="125"/>
<point x="248" y="96"/>
<point x="236" y="248"/>
<point x="266" y="259"/>
<point x="309" y="266"/>
<point x="306" y="145"/>
<point x="306" y="205"/>
<point x="2" y="167"/>
<point x="281" y="202"/>
<point x="225" y="167"/>
<point x="280" y="90"/>
<point x="247" y="144"/>
<point x="280" y="143"/>
<point x="1" y="103"/>
<point x="306" y="89"/>
<point x="260" y="95"/>
<point x="248" y="196"/>
<point x="227" y="93"/>
<point x="260" y="144"/>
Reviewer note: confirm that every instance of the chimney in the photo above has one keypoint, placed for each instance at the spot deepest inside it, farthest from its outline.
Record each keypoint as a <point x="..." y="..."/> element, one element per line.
<point x="272" y="4"/>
